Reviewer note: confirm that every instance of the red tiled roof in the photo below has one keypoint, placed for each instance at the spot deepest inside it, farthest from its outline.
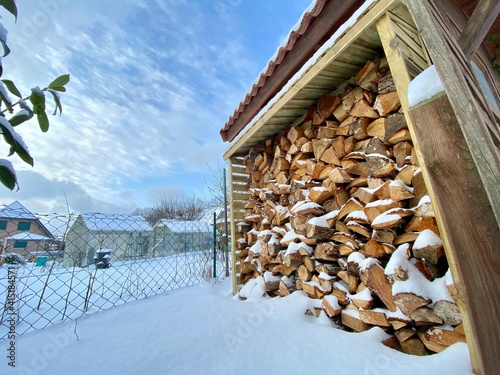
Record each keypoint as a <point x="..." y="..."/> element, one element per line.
<point x="283" y="51"/>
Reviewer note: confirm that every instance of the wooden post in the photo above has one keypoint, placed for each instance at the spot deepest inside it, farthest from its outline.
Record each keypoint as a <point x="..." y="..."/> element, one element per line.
<point x="226" y="231"/>
<point x="452" y="67"/>
<point x="468" y="227"/>
<point x="466" y="220"/>
<point x="479" y="24"/>
<point x="234" y="266"/>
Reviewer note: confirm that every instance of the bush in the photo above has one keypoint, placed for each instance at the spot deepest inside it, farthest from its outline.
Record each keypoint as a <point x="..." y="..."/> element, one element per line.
<point x="13" y="258"/>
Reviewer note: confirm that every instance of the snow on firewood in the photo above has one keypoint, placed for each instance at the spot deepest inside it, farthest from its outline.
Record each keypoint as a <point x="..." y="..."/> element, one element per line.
<point x="302" y="206"/>
<point x="256" y="249"/>
<point x="254" y="290"/>
<point x="416" y="283"/>
<point x="357" y="215"/>
<point x="290" y="237"/>
<point x="322" y="221"/>
<point x="361" y="261"/>
<point x="427" y="238"/>
<point x="294" y="247"/>
<point x="385" y="218"/>
<point x="270" y="278"/>
<point x="381" y="202"/>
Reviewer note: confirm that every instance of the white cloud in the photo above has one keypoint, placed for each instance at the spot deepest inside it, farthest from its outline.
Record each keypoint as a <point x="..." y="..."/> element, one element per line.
<point x="152" y="83"/>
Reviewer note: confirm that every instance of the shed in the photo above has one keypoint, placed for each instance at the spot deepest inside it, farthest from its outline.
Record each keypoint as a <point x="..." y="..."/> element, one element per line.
<point x="22" y="232"/>
<point x="304" y="132"/>
<point x="181" y="236"/>
<point x="128" y="237"/>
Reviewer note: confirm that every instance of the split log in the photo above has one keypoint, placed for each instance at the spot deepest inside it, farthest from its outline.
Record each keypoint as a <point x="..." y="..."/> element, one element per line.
<point x="448" y="312"/>
<point x="313" y="290"/>
<point x="409" y="302"/>
<point x="413" y="346"/>
<point x="304" y="274"/>
<point x="331" y="306"/>
<point x="374" y="278"/>
<point x="351" y="319"/>
<point x="326" y="251"/>
<point x="438" y="339"/>
<point x="374" y="318"/>
<point x="327" y="104"/>
<point x="387" y="103"/>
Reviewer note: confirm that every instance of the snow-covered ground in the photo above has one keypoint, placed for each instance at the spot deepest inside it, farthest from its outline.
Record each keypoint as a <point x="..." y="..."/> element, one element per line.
<point x="68" y="288"/>
<point x="203" y="330"/>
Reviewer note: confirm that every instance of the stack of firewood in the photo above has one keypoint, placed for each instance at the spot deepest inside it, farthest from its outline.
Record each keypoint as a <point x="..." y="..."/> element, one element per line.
<point x="338" y="208"/>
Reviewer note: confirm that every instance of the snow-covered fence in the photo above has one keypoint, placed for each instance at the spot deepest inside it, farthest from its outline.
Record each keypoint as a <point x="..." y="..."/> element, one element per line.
<point x="59" y="267"/>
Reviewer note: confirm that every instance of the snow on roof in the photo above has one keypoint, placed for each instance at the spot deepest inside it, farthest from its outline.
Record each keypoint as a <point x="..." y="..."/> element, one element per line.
<point x="115" y="222"/>
<point x="185" y="226"/>
<point x="16" y="210"/>
<point x="26" y="236"/>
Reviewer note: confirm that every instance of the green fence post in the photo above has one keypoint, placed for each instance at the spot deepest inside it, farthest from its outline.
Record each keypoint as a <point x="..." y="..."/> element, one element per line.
<point x="215" y="244"/>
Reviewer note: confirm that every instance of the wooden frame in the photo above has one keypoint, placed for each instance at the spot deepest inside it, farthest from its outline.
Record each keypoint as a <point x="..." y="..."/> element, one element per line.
<point x="467" y="205"/>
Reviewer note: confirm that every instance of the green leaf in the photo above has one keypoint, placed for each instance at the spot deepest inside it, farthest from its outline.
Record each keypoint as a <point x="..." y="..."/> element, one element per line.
<point x="59" y="82"/>
<point x="6" y="100"/>
<point x="43" y="120"/>
<point x="37" y="98"/>
<point x="24" y="155"/>
<point x="20" y="117"/>
<point x="15" y="141"/>
<point x="7" y="177"/>
<point x="10" y="5"/>
<point x="6" y="49"/>
<point x="62" y="89"/>
<point x="12" y="87"/>
<point x="57" y="101"/>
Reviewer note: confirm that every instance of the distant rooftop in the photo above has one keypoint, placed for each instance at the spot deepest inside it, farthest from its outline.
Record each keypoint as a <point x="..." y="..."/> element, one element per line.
<point x="16" y="210"/>
<point x="115" y="222"/>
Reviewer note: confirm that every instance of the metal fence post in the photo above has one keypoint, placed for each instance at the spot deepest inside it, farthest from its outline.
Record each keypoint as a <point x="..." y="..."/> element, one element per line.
<point x="215" y="245"/>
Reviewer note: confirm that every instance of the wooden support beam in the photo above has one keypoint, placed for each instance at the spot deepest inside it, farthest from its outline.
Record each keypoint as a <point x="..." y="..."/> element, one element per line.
<point x="468" y="227"/>
<point x="330" y="55"/>
<point x="452" y="68"/>
<point x="483" y="17"/>
<point x="233" y="228"/>
<point x="459" y="208"/>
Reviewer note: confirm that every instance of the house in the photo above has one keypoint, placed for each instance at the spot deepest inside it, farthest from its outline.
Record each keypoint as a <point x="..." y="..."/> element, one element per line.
<point x="306" y="130"/>
<point x="181" y="236"/>
<point x="22" y="232"/>
<point x="128" y="237"/>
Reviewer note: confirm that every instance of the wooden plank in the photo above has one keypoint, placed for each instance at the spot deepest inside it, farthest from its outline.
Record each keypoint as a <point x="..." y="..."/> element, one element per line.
<point x="402" y="79"/>
<point x="232" y="219"/>
<point x="470" y="116"/>
<point x="467" y="224"/>
<point x="330" y="55"/>
<point x="483" y="17"/>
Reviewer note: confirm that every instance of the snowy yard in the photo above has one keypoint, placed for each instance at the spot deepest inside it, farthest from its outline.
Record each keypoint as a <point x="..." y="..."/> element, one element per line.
<point x="72" y="292"/>
<point x="203" y="330"/>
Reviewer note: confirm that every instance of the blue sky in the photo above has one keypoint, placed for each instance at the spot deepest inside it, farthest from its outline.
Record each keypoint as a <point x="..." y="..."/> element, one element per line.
<point x="152" y="84"/>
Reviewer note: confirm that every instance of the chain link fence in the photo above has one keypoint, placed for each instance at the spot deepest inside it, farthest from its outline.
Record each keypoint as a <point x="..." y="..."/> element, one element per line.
<point x="60" y="267"/>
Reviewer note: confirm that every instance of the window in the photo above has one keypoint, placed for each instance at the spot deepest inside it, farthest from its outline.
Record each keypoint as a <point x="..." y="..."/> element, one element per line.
<point x="3" y="224"/>
<point x="23" y="225"/>
<point x="20" y="244"/>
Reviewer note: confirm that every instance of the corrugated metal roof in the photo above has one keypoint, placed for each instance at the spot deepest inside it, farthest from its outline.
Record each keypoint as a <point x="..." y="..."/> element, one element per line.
<point x="306" y="20"/>
<point x="352" y="49"/>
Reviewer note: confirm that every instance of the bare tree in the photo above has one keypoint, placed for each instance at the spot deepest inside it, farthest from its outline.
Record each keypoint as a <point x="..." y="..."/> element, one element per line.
<point x="215" y="184"/>
<point x="173" y="207"/>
